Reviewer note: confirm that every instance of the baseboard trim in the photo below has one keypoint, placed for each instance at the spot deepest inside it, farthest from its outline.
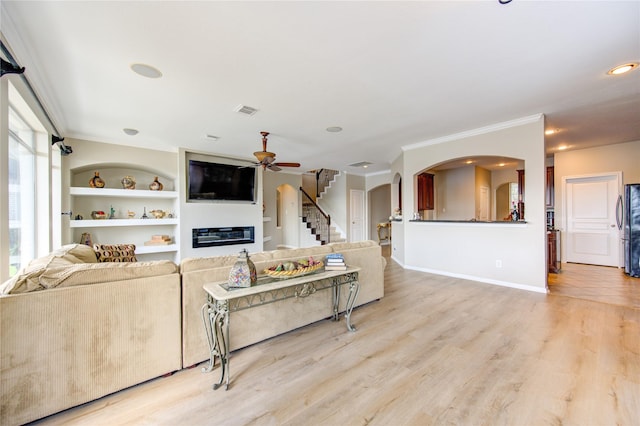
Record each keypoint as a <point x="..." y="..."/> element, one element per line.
<point x="479" y="279"/>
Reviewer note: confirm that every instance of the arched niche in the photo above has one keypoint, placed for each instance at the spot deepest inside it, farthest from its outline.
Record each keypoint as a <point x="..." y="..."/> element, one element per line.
<point x="465" y="188"/>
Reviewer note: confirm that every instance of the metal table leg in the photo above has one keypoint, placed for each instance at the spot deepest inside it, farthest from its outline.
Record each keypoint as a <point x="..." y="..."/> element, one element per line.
<point x="215" y="316"/>
<point x="354" y="289"/>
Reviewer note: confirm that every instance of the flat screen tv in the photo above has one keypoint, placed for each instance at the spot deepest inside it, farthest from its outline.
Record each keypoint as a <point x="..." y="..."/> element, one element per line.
<point x="220" y="182"/>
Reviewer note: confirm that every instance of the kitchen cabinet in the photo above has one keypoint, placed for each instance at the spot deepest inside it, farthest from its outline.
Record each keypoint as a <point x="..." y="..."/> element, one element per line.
<point x="425" y="192"/>
<point x="553" y="265"/>
<point x="549" y="191"/>
<point x="520" y="194"/>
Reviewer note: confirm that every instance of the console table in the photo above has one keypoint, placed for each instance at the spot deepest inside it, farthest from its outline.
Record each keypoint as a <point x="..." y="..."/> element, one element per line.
<point x="222" y="299"/>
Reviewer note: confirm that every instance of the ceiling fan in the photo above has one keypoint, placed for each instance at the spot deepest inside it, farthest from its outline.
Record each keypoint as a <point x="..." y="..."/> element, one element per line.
<point x="267" y="159"/>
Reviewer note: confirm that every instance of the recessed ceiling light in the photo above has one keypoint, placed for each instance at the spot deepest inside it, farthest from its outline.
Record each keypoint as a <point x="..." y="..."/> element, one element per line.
<point x="468" y="162"/>
<point x="562" y="147"/>
<point x="363" y="164"/>
<point x="130" y="132"/>
<point x="551" y="131"/>
<point x="146" y="70"/>
<point x="501" y="165"/>
<point x="621" y="69"/>
<point x="334" y="129"/>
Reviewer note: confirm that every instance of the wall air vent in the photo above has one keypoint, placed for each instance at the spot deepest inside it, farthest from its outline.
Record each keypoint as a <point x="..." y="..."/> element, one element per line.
<point x="360" y="164"/>
<point x="244" y="109"/>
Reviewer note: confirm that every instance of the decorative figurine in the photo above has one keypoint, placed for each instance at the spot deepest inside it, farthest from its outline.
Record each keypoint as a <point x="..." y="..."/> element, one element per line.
<point x="156" y="185"/>
<point x="128" y="182"/>
<point x="96" y="181"/>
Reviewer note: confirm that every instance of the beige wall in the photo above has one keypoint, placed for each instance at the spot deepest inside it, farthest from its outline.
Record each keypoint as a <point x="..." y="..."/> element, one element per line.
<point x="471" y="250"/>
<point x="624" y="157"/>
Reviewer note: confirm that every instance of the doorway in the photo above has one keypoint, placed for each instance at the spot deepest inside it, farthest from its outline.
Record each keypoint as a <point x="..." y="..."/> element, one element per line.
<point x="356" y="215"/>
<point x="592" y="236"/>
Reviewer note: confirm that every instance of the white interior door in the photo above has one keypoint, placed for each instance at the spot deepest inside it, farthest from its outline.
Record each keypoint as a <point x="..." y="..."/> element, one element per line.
<point x="356" y="213"/>
<point x="591" y="234"/>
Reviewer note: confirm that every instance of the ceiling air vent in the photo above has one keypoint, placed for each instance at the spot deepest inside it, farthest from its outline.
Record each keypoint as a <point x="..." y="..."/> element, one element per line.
<point x="360" y="164"/>
<point x="244" y="109"/>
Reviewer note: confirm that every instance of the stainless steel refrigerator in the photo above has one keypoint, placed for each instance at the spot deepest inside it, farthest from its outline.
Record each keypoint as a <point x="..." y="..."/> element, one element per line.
<point x="630" y="221"/>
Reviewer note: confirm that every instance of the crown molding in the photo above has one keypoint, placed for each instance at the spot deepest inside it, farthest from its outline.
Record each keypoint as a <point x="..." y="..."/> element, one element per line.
<point x="479" y="131"/>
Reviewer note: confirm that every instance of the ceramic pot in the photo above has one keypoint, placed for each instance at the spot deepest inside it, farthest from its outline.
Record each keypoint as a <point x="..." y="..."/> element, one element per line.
<point x="96" y="181"/>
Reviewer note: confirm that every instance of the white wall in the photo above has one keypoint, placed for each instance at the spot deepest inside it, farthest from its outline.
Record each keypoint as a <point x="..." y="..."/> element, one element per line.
<point x="471" y="250"/>
<point x="218" y="214"/>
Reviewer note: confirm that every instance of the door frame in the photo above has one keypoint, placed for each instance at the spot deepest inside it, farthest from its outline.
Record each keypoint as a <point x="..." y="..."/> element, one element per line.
<point x="564" y="203"/>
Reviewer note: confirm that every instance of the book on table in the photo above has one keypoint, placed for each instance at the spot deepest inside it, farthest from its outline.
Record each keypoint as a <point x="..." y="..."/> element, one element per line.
<point x="342" y="267"/>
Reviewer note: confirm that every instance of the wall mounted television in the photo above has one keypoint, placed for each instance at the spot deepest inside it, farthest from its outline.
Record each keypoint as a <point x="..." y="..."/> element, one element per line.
<point x="208" y="181"/>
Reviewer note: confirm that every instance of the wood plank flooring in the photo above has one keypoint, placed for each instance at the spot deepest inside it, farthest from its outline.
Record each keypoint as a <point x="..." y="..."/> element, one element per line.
<point x="435" y="350"/>
<point x="598" y="283"/>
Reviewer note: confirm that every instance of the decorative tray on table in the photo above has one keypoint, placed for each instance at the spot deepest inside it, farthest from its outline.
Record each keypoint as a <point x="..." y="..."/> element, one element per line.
<point x="293" y="269"/>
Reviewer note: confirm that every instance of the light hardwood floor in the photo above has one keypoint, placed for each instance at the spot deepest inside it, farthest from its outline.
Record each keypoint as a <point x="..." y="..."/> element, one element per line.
<point x="434" y="350"/>
<point x="599" y="283"/>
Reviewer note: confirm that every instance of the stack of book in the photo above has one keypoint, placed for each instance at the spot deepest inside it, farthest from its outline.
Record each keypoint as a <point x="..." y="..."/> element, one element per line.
<point x="158" y="240"/>
<point x="335" y="262"/>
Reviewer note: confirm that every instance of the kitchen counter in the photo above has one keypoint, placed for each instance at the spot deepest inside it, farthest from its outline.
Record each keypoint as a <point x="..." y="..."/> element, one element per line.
<point x="501" y="222"/>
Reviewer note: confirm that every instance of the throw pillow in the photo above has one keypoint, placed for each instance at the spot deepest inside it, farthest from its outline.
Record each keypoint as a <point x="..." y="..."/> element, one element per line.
<point x="115" y="252"/>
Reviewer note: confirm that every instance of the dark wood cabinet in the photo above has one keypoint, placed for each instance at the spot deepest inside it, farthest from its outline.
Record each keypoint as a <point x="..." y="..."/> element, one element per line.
<point x="552" y="252"/>
<point x="425" y="191"/>
<point x="549" y="192"/>
<point x="520" y="194"/>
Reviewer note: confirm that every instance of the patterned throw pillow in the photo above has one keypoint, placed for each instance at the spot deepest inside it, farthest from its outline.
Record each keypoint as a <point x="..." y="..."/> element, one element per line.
<point x="115" y="252"/>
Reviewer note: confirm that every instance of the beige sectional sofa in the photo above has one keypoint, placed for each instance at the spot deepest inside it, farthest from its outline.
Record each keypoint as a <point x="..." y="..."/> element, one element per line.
<point x="91" y="330"/>
<point x="73" y="330"/>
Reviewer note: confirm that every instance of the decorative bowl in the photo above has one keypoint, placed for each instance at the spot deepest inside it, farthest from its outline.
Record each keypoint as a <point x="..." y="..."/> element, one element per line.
<point x="99" y="214"/>
<point x="300" y="271"/>
<point x="158" y="214"/>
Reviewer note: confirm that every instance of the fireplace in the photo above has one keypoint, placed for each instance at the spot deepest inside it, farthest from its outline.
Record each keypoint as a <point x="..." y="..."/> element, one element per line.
<point x="209" y="237"/>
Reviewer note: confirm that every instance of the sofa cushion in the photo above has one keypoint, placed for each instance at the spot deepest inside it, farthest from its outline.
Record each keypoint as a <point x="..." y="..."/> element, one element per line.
<point x="27" y="279"/>
<point x="94" y="273"/>
<point x="115" y="252"/>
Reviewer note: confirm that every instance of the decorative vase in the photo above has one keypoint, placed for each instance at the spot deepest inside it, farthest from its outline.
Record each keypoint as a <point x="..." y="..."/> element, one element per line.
<point x="128" y="182"/>
<point x="96" y="181"/>
<point x="243" y="272"/>
<point x="156" y="185"/>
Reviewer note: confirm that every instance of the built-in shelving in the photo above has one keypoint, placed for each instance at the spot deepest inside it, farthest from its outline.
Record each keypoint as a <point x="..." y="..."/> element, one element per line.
<point x="103" y="223"/>
<point x="122" y="203"/>
<point x="157" y="249"/>
<point x="123" y="193"/>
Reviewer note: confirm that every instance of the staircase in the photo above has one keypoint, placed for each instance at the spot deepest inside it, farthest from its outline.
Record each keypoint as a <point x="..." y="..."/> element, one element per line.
<point x="316" y="221"/>
<point x="324" y="177"/>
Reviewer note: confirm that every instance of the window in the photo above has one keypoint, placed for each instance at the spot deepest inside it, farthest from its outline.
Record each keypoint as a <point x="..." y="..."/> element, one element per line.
<point x="22" y="192"/>
<point x="29" y="229"/>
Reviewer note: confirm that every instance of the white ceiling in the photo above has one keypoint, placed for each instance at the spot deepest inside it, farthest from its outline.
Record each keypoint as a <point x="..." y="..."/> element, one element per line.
<point x="389" y="73"/>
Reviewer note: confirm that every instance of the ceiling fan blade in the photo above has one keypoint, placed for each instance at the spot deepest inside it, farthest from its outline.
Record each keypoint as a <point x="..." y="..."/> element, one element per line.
<point x="287" y="164"/>
<point x="273" y="167"/>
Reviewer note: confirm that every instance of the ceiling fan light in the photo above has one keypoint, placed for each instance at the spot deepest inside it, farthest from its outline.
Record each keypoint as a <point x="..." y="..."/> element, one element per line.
<point x="262" y="155"/>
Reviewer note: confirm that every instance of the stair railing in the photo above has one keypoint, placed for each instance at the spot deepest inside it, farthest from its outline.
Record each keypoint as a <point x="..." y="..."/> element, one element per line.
<point x="323" y="178"/>
<point x="316" y="219"/>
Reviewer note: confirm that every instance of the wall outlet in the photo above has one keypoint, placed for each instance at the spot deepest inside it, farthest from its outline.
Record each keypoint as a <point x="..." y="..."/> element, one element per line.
<point x="498" y="263"/>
